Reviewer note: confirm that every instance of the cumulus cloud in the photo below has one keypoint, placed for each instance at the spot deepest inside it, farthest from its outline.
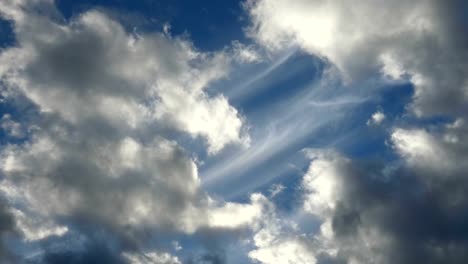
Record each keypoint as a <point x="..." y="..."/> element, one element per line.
<point x="438" y="159"/>
<point x="422" y="41"/>
<point x="407" y="211"/>
<point x="281" y="250"/>
<point x="279" y="239"/>
<point x="105" y="104"/>
<point x="381" y="212"/>
<point x="442" y="152"/>
<point x="91" y="67"/>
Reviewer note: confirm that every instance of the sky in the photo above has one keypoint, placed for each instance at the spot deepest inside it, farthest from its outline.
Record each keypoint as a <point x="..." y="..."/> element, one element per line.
<point x="227" y="132"/>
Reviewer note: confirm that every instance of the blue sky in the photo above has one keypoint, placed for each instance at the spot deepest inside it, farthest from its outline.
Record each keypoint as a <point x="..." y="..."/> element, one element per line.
<point x="257" y="131"/>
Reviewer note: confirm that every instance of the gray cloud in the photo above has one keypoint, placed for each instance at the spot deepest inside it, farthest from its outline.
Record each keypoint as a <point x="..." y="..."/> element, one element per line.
<point x="407" y="212"/>
<point x="411" y="210"/>
<point x="105" y="104"/>
<point x="412" y="223"/>
<point x="92" y="67"/>
<point x="7" y="227"/>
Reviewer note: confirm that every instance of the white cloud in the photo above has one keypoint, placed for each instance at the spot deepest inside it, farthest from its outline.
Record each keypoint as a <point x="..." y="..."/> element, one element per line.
<point x="276" y="241"/>
<point x="416" y="38"/>
<point x="105" y="103"/>
<point x="37" y="228"/>
<point x="322" y="184"/>
<point x="146" y="186"/>
<point x="232" y="215"/>
<point x="417" y="146"/>
<point x="354" y="201"/>
<point x="326" y="186"/>
<point x="283" y="251"/>
<point x="151" y="258"/>
<point x="130" y="79"/>
<point x="198" y="115"/>
<point x="376" y="119"/>
<point x="442" y="153"/>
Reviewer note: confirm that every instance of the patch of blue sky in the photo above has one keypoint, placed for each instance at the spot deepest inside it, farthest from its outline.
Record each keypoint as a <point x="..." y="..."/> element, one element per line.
<point x="211" y="25"/>
<point x="301" y="111"/>
<point x="7" y="39"/>
<point x="7" y="36"/>
<point x="20" y="111"/>
<point x="286" y="79"/>
<point x="370" y="141"/>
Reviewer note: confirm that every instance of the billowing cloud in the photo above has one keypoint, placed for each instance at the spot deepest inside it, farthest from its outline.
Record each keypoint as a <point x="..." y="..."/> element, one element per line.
<point x="91" y="67"/>
<point x="422" y="41"/>
<point x="372" y="212"/>
<point x="105" y="103"/>
<point x="408" y="210"/>
<point x="442" y="152"/>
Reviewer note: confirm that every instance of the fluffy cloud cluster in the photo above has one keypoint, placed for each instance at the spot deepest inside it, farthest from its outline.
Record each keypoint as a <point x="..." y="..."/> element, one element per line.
<point x="410" y="210"/>
<point x="373" y="212"/>
<point x="91" y="67"/>
<point x="422" y="41"/>
<point x="96" y="146"/>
